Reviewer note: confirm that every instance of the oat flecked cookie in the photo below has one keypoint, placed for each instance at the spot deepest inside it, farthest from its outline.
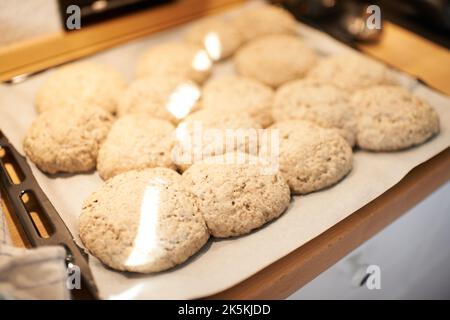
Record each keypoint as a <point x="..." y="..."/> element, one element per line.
<point x="180" y="59"/>
<point x="142" y="221"/>
<point x="265" y="20"/>
<point x="236" y="196"/>
<point x="82" y="83"/>
<point x="311" y="157"/>
<point x="240" y="94"/>
<point x="168" y="97"/>
<point x="350" y="72"/>
<point x="391" y="118"/>
<point x="209" y="132"/>
<point x="324" y="105"/>
<point x="275" y="59"/>
<point x="218" y="38"/>
<point x="136" y="141"/>
<point x="67" y="139"/>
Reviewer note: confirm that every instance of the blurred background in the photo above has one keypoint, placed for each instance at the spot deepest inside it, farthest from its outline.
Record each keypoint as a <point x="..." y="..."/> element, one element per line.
<point x="22" y="20"/>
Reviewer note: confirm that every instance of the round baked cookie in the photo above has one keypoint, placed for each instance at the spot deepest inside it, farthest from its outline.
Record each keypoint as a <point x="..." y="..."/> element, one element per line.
<point x="265" y="20"/>
<point x="209" y="132"/>
<point x="311" y="157"/>
<point x="390" y="118"/>
<point x="82" y="83"/>
<point x="218" y="38"/>
<point x="67" y="139"/>
<point x="142" y="221"/>
<point x="324" y="105"/>
<point x="136" y="141"/>
<point x="182" y="59"/>
<point x="240" y="94"/>
<point x="167" y="97"/>
<point x="275" y="59"/>
<point x="236" y="196"/>
<point x="350" y="72"/>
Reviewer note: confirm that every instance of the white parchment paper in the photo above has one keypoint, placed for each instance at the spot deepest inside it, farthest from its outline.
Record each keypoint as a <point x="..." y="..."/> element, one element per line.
<point x="223" y="263"/>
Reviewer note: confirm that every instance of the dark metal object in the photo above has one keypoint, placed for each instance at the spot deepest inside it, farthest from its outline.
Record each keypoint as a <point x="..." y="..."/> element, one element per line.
<point x="314" y="9"/>
<point x="354" y="22"/>
<point x="326" y="18"/>
<point x="428" y="18"/>
<point x="93" y="11"/>
<point x="58" y="234"/>
<point x="344" y="20"/>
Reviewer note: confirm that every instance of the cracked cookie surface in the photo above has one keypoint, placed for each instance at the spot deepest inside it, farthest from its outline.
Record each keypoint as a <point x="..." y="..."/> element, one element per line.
<point x="312" y="157"/>
<point x="391" y="118"/>
<point x="67" y="139"/>
<point x="142" y="221"/>
<point x="236" y="196"/>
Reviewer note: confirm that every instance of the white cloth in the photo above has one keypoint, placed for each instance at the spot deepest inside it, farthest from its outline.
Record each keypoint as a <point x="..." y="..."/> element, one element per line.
<point x="28" y="19"/>
<point x="31" y="273"/>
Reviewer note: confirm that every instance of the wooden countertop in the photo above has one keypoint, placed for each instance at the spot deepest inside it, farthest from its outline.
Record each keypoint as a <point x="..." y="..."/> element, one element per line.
<point x="287" y="275"/>
<point x="426" y="61"/>
<point x="414" y="55"/>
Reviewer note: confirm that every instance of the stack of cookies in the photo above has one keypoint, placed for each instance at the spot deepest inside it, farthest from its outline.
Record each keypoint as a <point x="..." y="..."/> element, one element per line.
<point x="185" y="157"/>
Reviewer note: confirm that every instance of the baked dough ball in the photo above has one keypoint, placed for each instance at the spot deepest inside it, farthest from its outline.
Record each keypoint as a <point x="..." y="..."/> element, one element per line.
<point x="136" y="141"/>
<point x="67" y="139"/>
<point x="218" y="38"/>
<point x="209" y="132"/>
<point x="390" y="118"/>
<point x="142" y="221"/>
<point x="236" y="196"/>
<point x="275" y="59"/>
<point x="240" y="94"/>
<point x="324" y="105"/>
<point x="167" y="97"/>
<point x="79" y="84"/>
<point x="311" y="157"/>
<point x="350" y="72"/>
<point x="180" y="59"/>
<point x="265" y="20"/>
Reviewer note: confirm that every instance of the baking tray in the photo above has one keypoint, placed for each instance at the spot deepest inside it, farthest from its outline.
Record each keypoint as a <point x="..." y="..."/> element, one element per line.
<point x="24" y="197"/>
<point x="224" y="263"/>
